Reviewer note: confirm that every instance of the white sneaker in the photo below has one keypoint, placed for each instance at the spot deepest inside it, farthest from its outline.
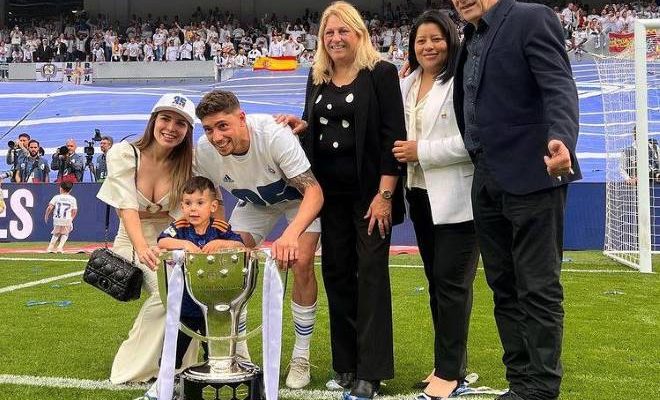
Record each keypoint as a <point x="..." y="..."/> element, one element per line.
<point x="299" y="375"/>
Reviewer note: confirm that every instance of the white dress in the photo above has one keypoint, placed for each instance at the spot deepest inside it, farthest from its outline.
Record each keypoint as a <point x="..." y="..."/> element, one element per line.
<point x="137" y="357"/>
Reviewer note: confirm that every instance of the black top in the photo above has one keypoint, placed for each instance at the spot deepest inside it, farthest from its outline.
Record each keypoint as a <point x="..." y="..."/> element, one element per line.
<point x="334" y="139"/>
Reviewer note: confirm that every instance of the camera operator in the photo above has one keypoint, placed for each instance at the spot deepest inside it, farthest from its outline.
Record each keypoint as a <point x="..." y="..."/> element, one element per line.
<point x="68" y="164"/>
<point x="629" y="161"/>
<point x="101" y="169"/>
<point x="33" y="168"/>
<point x="17" y="150"/>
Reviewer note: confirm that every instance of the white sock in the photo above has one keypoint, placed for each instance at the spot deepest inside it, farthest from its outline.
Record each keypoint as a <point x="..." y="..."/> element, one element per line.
<point x="53" y="242"/>
<point x="304" y="318"/>
<point x="241" y="347"/>
<point x="63" y="239"/>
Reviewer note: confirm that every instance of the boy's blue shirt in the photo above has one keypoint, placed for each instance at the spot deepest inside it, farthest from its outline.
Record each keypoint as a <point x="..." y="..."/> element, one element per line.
<point x="182" y="230"/>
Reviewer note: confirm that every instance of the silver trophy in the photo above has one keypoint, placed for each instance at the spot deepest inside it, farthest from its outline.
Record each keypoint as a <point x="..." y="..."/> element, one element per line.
<point x="221" y="284"/>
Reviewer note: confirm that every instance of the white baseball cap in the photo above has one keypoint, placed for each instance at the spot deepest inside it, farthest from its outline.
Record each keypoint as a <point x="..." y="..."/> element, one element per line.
<point x="178" y="103"/>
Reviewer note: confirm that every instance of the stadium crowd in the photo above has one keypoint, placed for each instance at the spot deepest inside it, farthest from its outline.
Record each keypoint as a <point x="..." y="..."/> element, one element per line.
<point x="220" y="36"/>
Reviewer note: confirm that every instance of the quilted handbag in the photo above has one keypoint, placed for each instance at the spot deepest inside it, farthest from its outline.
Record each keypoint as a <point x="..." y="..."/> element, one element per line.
<point x="113" y="275"/>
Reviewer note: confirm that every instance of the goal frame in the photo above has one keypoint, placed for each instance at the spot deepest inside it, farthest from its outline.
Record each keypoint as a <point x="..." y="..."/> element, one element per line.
<point x="642" y="135"/>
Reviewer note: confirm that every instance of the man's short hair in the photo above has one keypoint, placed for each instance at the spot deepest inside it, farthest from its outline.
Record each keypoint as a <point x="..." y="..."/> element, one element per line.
<point x="24" y="135"/>
<point x="108" y="138"/>
<point x="200" y="183"/>
<point x="33" y="141"/>
<point x="217" y="101"/>
<point x="66" y="186"/>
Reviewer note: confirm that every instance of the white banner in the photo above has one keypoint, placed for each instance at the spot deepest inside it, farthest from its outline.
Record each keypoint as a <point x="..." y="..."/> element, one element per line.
<point x="49" y="72"/>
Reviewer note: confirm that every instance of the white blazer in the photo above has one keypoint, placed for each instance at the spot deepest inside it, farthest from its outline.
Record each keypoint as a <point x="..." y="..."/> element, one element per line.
<point x="447" y="167"/>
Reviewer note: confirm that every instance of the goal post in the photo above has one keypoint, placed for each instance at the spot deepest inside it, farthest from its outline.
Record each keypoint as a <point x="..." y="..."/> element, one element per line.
<point x="631" y="111"/>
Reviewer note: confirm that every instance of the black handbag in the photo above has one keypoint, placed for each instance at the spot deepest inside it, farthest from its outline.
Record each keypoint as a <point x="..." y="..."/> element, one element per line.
<point x="112" y="273"/>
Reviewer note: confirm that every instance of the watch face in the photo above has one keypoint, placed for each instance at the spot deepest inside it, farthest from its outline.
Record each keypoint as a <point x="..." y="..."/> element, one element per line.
<point x="386" y="194"/>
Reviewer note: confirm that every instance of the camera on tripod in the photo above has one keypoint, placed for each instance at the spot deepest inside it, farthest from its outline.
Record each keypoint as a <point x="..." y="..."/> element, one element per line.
<point x="89" y="149"/>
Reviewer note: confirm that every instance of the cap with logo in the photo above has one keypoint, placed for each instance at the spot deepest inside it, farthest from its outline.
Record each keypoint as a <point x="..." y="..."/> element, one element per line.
<point x="178" y="103"/>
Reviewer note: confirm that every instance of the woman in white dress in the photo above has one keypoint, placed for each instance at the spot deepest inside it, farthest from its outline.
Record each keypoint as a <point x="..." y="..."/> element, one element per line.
<point x="146" y="201"/>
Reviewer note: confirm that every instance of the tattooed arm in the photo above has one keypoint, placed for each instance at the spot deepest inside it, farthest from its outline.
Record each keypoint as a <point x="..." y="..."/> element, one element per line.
<point x="310" y="206"/>
<point x="286" y="248"/>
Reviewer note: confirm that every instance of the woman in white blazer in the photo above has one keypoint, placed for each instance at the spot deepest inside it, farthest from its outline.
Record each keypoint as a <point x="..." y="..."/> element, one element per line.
<point x="438" y="186"/>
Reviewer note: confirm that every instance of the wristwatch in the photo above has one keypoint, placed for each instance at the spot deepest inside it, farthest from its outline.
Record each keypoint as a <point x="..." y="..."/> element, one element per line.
<point x="386" y="194"/>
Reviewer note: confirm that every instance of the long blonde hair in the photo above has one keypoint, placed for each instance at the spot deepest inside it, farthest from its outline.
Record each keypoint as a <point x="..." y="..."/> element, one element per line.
<point x="366" y="56"/>
<point x="181" y="158"/>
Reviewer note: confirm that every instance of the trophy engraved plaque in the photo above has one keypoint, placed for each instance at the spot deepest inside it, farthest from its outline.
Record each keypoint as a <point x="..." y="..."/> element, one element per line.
<point x="221" y="284"/>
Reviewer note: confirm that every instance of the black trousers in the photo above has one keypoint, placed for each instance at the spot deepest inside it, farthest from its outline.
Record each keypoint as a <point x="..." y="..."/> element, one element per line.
<point x="183" y="340"/>
<point x="521" y="239"/>
<point x="357" y="282"/>
<point x="450" y="255"/>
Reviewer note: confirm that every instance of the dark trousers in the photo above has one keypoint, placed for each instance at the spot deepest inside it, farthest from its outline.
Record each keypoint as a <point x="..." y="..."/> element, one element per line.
<point x="183" y="340"/>
<point x="357" y="282"/>
<point x="521" y="238"/>
<point x="450" y="255"/>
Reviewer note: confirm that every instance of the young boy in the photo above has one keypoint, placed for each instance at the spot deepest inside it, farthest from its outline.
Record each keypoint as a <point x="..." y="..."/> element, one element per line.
<point x="193" y="233"/>
<point x="65" y="209"/>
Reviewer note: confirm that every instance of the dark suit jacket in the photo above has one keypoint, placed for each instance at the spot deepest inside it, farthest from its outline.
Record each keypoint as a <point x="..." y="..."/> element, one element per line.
<point x="379" y="121"/>
<point x="526" y="96"/>
<point x="43" y="53"/>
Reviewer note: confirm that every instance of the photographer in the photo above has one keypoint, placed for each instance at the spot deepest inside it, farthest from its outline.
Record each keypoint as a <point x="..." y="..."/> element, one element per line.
<point x="17" y="150"/>
<point x="33" y="168"/>
<point x="629" y="161"/>
<point x="101" y="168"/>
<point x="67" y="163"/>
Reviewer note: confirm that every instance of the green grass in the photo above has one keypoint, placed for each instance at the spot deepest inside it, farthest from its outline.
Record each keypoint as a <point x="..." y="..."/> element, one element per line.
<point x="611" y="336"/>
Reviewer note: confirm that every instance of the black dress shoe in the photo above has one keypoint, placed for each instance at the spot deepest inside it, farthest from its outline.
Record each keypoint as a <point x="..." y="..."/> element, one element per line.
<point x="345" y="379"/>
<point x="420" y="385"/>
<point x="365" y="389"/>
<point x="510" y="395"/>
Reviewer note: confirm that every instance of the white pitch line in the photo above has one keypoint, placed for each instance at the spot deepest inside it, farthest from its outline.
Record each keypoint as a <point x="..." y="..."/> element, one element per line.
<point x="88" y="384"/>
<point x="41" y="259"/>
<point x="71" y="383"/>
<point x="39" y="282"/>
<point x="571" y="270"/>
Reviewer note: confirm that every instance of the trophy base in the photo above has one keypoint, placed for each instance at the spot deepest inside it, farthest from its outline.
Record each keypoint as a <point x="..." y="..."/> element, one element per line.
<point x="233" y="388"/>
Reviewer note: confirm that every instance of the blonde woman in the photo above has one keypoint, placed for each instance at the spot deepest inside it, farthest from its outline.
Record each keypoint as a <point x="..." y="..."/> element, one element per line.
<point x="144" y="184"/>
<point x="353" y="115"/>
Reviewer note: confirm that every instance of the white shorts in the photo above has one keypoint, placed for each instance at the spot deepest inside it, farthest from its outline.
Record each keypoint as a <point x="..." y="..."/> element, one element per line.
<point x="258" y="220"/>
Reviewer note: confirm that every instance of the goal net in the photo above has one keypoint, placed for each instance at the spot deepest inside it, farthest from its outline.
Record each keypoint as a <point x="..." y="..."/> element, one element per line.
<point x="630" y="82"/>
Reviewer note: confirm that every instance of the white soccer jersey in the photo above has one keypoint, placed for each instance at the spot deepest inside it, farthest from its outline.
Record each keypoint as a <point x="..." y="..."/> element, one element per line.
<point x="260" y="176"/>
<point x="63" y="206"/>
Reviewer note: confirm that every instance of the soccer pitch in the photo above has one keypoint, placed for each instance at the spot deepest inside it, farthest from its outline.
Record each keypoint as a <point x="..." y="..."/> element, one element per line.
<point x="63" y="349"/>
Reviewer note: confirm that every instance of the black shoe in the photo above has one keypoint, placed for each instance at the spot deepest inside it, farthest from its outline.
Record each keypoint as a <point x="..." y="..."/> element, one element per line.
<point x="364" y="389"/>
<point x="510" y="395"/>
<point x="345" y="379"/>
<point x="420" y="385"/>
<point x="454" y="393"/>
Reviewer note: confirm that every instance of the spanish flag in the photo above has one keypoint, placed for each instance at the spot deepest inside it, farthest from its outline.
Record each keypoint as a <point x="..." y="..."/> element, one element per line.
<point x="285" y="63"/>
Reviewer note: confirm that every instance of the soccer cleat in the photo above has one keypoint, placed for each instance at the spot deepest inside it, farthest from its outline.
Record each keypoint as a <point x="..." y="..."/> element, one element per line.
<point x="299" y="375"/>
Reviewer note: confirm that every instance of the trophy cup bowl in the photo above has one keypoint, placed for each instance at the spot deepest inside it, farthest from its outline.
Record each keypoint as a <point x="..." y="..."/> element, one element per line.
<point x="221" y="284"/>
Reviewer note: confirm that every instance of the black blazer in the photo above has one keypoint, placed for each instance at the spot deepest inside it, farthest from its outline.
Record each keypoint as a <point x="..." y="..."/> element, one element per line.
<point x="379" y="121"/>
<point x="526" y="96"/>
<point x="43" y="53"/>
